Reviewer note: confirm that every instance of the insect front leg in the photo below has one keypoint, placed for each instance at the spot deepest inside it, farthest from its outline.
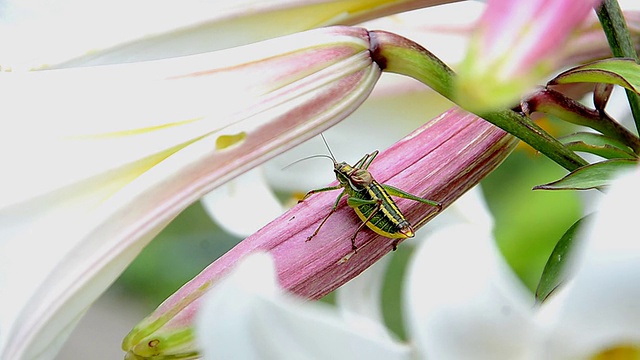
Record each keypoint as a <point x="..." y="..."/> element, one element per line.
<point x="355" y="202"/>
<point x="333" y="210"/>
<point x="330" y="188"/>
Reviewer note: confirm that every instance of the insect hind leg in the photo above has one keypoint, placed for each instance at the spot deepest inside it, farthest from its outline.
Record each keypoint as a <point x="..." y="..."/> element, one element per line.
<point x="363" y="224"/>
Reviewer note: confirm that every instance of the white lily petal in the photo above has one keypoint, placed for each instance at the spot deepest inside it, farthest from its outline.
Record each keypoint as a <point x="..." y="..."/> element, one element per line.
<point x="67" y="258"/>
<point x="132" y="127"/>
<point x="359" y="300"/>
<point x="244" y="205"/>
<point x="470" y="208"/>
<point x="169" y="29"/>
<point x="247" y="316"/>
<point x="463" y="302"/>
<point x="74" y="222"/>
<point x="599" y="308"/>
<point x="36" y="28"/>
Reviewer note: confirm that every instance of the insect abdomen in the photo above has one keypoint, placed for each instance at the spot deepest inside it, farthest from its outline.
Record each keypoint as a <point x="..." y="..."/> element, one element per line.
<point x="388" y="221"/>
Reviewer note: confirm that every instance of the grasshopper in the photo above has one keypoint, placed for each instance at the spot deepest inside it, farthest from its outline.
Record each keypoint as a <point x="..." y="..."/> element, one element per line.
<point x="370" y="200"/>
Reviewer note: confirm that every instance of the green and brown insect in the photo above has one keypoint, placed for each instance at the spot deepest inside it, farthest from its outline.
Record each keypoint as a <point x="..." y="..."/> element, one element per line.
<point x="370" y="200"/>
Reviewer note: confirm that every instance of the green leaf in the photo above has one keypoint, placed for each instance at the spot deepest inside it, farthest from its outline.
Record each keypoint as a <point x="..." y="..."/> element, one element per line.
<point x="599" y="145"/>
<point x="606" y="151"/>
<point x="618" y="71"/>
<point x="590" y="176"/>
<point x="553" y="274"/>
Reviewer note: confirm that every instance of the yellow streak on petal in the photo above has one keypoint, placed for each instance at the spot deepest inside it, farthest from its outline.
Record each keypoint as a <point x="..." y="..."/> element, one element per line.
<point x="225" y="141"/>
<point x="114" y="134"/>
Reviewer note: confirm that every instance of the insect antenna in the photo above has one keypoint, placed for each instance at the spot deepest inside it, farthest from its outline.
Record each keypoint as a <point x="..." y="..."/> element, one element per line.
<point x="309" y="157"/>
<point x="328" y="148"/>
<point x="332" y="158"/>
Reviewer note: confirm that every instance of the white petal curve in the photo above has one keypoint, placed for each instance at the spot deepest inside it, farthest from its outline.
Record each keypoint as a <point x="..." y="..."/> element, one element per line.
<point x="470" y="208"/>
<point x="463" y="302"/>
<point x="359" y="300"/>
<point x="247" y="316"/>
<point x="243" y="205"/>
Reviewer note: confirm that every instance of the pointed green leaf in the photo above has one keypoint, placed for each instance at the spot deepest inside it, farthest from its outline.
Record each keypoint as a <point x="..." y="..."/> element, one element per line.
<point x="617" y="71"/>
<point x="590" y="176"/>
<point x="599" y="145"/>
<point x="553" y="274"/>
<point x="606" y="151"/>
<point x="594" y="139"/>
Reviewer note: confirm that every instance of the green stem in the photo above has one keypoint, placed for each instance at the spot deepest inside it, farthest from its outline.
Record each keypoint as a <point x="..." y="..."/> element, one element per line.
<point x="397" y="54"/>
<point x="615" y="27"/>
